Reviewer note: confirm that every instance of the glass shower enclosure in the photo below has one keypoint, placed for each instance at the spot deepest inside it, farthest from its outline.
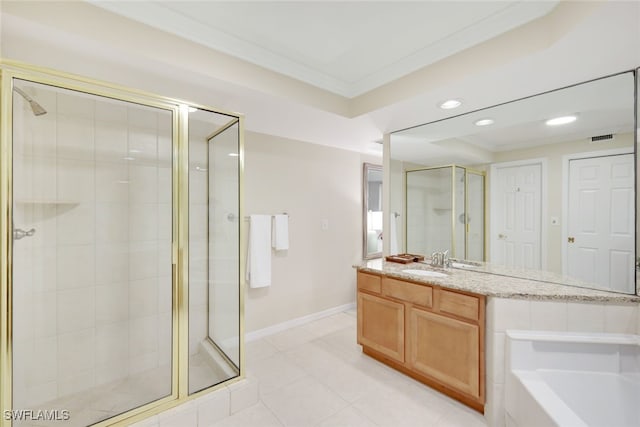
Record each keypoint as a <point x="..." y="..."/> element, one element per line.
<point x="120" y="255"/>
<point x="445" y="210"/>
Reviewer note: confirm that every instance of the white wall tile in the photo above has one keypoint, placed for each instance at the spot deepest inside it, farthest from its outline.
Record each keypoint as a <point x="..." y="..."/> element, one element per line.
<point x="75" y="138"/>
<point x="143" y="260"/>
<point x="143" y="298"/>
<point x="165" y="294"/>
<point x="111" y="142"/>
<point x="243" y="394"/>
<point x="76" y="352"/>
<point x="143" y="222"/>
<point x="143" y="336"/>
<point x="77" y="382"/>
<point x="164" y="258"/>
<point x="165" y="184"/>
<point x="143" y="184"/>
<point x="41" y="393"/>
<point x="76" y="180"/>
<point x="197" y="187"/>
<point x="76" y="309"/>
<point x="495" y="362"/>
<point x="165" y="333"/>
<point x="112" y="222"/>
<point x="142" y="362"/>
<point x="43" y="265"/>
<point x="112" y="182"/>
<point x="585" y="317"/>
<point x="112" y="263"/>
<point x="112" y="303"/>
<point x="111" y="111"/>
<point x="213" y="407"/>
<point x="143" y="117"/>
<point x="621" y="318"/>
<point x="76" y="266"/>
<point x="75" y="104"/>
<point x="112" y="343"/>
<point x="45" y="315"/>
<point x="143" y="145"/>
<point x="44" y="361"/>
<point x="76" y="224"/>
<point x="181" y="416"/>
<point x="165" y="224"/>
<point x="549" y="315"/>
<point x="510" y="314"/>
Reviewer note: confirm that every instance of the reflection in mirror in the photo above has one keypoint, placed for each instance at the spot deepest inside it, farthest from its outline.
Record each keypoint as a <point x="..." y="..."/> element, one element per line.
<point x="372" y="211"/>
<point x="445" y="212"/>
<point x="560" y="194"/>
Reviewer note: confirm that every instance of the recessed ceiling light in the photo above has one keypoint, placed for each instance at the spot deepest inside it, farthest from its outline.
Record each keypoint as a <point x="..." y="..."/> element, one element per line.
<point x="556" y="121"/>
<point x="233" y="154"/>
<point x="484" y="122"/>
<point x="450" y="103"/>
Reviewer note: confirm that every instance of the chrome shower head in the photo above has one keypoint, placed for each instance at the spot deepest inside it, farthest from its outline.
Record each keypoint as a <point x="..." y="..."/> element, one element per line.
<point x="37" y="109"/>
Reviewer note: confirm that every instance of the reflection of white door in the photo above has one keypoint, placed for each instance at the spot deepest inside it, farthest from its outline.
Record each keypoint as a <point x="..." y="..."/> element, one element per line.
<point x="600" y="221"/>
<point x="516" y="214"/>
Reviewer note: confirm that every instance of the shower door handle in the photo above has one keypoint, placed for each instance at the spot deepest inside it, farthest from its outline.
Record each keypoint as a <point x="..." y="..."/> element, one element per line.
<point x="19" y="233"/>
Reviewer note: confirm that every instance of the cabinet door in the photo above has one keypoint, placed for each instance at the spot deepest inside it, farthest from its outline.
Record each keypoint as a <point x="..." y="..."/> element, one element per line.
<point x="381" y="325"/>
<point x="445" y="349"/>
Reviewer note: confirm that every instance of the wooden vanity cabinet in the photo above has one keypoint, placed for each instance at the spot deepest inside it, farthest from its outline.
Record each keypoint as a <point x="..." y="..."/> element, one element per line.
<point x="433" y="334"/>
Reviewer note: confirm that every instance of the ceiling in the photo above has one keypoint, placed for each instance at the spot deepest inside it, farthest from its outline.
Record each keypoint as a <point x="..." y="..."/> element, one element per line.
<point x="340" y="74"/>
<point x="348" y="48"/>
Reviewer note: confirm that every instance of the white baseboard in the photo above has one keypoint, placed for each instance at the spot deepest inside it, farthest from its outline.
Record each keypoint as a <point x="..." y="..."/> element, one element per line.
<point x="298" y="321"/>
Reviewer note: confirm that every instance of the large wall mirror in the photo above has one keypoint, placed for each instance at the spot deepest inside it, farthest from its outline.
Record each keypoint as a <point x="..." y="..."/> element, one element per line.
<point x="560" y="184"/>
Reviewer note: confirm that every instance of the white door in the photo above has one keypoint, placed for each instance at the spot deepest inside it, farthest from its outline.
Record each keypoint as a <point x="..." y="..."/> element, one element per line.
<point x="600" y="244"/>
<point x="517" y="215"/>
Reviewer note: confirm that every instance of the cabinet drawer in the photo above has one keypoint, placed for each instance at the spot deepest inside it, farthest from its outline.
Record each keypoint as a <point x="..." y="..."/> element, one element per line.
<point x="369" y="282"/>
<point x="410" y="292"/>
<point x="459" y="305"/>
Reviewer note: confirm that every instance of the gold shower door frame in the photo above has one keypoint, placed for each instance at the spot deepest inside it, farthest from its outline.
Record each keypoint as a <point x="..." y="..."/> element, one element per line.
<point x="10" y="70"/>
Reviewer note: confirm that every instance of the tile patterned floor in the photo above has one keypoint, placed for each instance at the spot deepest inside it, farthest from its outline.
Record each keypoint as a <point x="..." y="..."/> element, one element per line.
<point x="316" y="375"/>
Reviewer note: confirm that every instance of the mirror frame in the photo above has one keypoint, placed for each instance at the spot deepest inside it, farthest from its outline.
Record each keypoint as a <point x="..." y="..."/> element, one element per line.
<point x="366" y="168"/>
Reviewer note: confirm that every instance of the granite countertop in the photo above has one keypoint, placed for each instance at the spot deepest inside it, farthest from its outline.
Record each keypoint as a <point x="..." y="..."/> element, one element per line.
<point x="494" y="281"/>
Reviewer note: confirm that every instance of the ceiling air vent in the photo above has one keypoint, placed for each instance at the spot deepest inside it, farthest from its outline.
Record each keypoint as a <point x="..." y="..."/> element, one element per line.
<point x="602" y="138"/>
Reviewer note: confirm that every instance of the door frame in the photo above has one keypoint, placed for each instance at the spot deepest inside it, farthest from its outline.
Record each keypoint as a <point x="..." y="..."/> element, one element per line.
<point x="494" y="201"/>
<point x="565" y="189"/>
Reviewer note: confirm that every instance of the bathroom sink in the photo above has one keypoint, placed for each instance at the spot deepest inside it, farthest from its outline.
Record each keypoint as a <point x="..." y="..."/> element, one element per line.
<point x="426" y="273"/>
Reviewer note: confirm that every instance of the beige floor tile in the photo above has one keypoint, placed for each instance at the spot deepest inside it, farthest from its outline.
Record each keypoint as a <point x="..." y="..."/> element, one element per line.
<point x="257" y="415"/>
<point x="305" y="402"/>
<point x="275" y="372"/>
<point x="348" y="417"/>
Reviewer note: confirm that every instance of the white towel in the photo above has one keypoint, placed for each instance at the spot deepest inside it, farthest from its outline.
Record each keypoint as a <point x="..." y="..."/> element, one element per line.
<point x="259" y="256"/>
<point x="280" y="235"/>
<point x="393" y="235"/>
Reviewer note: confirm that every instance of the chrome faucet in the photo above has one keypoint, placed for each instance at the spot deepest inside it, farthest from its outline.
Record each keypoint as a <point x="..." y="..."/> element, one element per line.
<point x="440" y="259"/>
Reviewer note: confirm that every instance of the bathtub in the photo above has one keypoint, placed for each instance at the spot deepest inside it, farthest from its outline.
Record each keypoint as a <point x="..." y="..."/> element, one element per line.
<point x="572" y="379"/>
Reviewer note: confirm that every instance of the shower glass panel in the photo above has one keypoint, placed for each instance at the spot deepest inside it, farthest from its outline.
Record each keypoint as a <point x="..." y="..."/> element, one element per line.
<point x="214" y="249"/>
<point x="92" y="241"/>
<point x="445" y="211"/>
<point x="429" y="195"/>
<point x="475" y="216"/>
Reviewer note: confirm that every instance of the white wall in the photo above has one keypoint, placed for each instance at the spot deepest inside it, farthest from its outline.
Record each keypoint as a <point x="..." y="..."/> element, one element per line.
<point x="311" y="183"/>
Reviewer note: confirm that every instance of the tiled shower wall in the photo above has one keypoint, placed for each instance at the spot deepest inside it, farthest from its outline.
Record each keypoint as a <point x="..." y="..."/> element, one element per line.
<point x="92" y="287"/>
